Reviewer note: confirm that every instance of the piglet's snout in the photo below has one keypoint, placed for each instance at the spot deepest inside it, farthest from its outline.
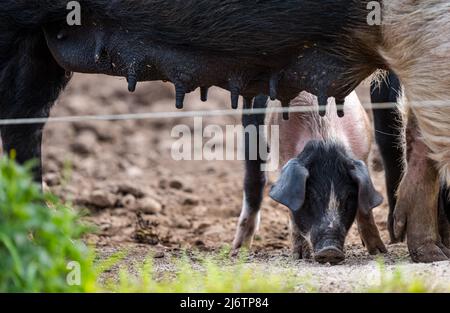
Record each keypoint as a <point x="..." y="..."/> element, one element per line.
<point x="329" y="247"/>
<point x="330" y="254"/>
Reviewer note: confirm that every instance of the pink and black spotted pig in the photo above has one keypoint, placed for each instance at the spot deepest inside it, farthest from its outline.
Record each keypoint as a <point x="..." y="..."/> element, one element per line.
<point x="324" y="181"/>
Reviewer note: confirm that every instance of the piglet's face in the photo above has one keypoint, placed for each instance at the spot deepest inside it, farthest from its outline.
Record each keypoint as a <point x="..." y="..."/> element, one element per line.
<point x="324" y="188"/>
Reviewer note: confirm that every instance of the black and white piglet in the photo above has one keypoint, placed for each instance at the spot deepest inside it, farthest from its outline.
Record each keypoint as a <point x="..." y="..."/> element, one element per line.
<point x="324" y="181"/>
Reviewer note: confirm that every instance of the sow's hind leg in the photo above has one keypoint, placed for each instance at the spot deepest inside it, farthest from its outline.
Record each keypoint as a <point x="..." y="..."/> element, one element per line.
<point x="388" y="135"/>
<point x="30" y="81"/>
<point x="416" y="213"/>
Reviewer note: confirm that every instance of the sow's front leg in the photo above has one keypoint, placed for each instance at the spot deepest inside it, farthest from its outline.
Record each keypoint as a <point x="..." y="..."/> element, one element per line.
<point x="416" y="213"/>
<point x="30" y="81"/>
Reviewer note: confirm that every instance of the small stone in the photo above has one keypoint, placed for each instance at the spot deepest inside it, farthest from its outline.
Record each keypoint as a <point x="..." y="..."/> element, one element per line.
<point x="134" y="171"/>
<point x="163" y="184"/>
<point x="105" y="227"/>
<point x="176" y="184"/>
<point x="200" y="210"/>
<point x="84" y="143"/>
<point x="191" y="200"/>
<point x="127" y="187"/>
<point x="128" y="201"/>
<point x="199" y="243"/>
<point x="159" y="255"/>
<point x="182" y="223"/>
<point x="102" y="199"/>
<point x="149" y="206"/>
<point x="52" y="179"/>
<point x="52" y="167"/>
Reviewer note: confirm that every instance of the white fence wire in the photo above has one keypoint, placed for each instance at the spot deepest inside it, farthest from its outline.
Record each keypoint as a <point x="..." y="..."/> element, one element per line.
<point x="199" y="113"/>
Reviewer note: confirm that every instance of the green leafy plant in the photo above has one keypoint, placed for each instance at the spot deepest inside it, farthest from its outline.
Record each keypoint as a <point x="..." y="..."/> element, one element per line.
<point x="39" y="237"/>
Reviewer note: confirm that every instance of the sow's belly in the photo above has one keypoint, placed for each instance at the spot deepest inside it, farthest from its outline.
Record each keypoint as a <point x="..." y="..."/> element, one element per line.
<point x="98" y="46"/>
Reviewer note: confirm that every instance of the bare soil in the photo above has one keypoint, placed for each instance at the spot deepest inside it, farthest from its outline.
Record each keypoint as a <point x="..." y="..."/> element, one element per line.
<point x="143" y="200"/>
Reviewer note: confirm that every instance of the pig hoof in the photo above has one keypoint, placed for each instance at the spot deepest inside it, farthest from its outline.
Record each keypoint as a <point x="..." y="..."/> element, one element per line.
<point x="330" y="255"/>
<point x="379" y="248"/>
<point x="391" y="225"/>
<point x="374" y="246"/>
<point x="306" y="254"/>
<point x="234" y="253"/>
<point x="240" y="245"/>
<point x="241" y="251"/>
<point x="446" y="243"/>
<point x="445" y="249"/>
<point x="427" y="253"/>
<point x="303" y="254"/>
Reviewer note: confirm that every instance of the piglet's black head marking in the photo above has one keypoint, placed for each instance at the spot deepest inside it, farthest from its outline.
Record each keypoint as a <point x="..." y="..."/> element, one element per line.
<point x="291" y="186"/>
<point x="368" y="197"/>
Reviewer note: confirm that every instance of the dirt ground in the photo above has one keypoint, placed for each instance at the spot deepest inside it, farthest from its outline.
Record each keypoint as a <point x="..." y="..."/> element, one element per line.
<point x="143" y="200"/>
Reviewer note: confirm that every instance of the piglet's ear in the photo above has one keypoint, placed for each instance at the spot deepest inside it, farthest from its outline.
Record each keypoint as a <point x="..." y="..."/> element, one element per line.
<point x="368" y="197"/>
<point x="290" y="188"/>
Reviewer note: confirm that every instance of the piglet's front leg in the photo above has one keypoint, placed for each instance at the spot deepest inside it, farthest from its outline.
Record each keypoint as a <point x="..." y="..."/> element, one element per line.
<point x="369" y="233"/>
<point x="254" y="181"/>
<point x="301" y="248"/>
